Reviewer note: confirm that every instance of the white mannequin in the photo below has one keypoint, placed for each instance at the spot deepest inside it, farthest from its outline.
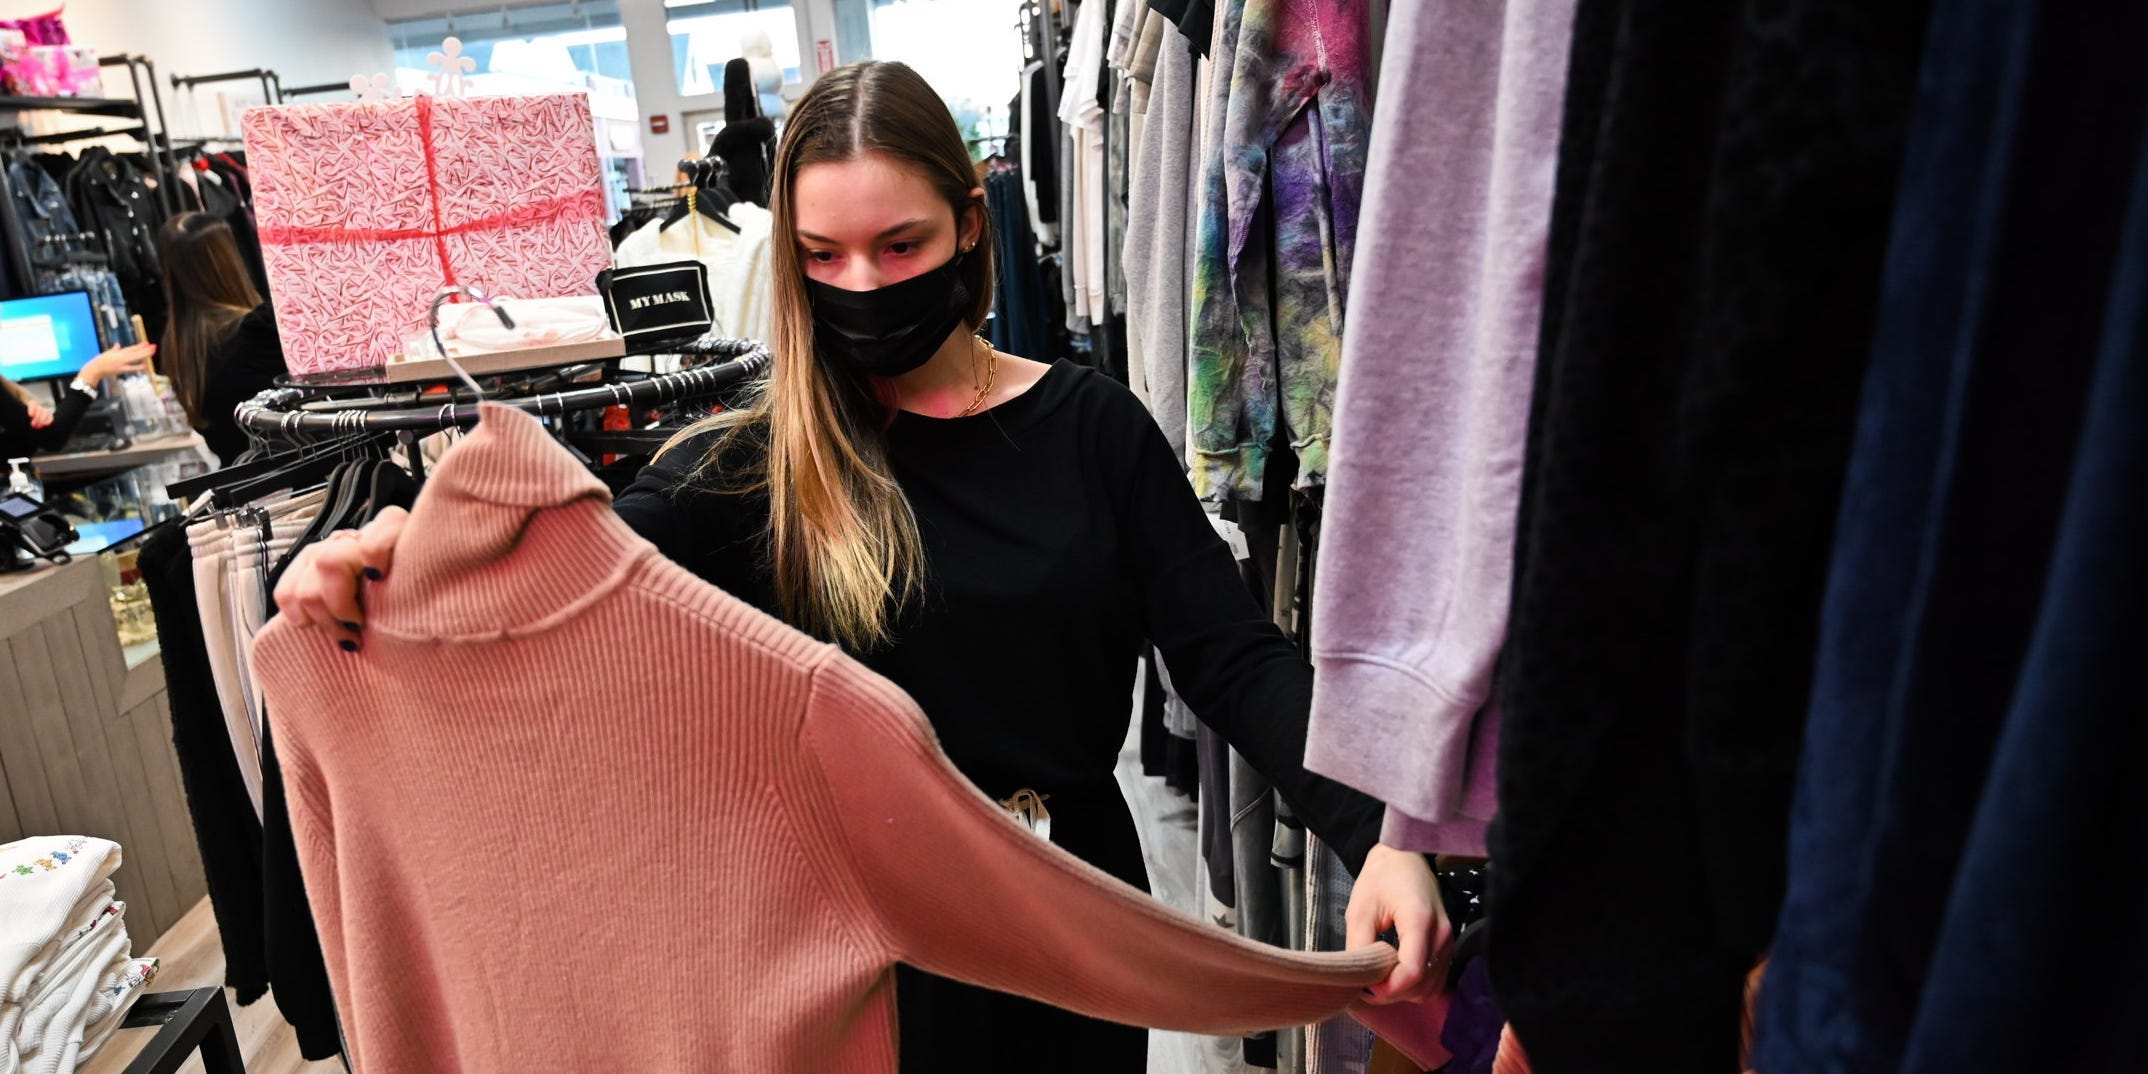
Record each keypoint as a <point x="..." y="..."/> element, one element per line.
<point x="760" y="54"/>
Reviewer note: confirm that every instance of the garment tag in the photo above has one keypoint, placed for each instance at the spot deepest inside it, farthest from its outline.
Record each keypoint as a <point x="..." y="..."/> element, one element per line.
<point x="1027" y="809"/>
<point x="1232" y="536"/>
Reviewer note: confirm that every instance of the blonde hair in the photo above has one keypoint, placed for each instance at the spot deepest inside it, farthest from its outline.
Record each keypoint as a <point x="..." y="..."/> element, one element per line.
<point x="843" y="543"/>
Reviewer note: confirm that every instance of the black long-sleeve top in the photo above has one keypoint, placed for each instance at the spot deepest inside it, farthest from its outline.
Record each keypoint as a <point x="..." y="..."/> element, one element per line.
<point x="1060" y="535"/>
<point x="245" y="364"/>
<point x="19" y="441"/>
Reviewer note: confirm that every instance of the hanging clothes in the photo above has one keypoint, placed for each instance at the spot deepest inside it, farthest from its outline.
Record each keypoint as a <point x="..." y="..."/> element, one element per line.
<point x="1195" y="19"/>
<point x="59" y="253"/>
<point x="226" y="829"/>
<point x="1040" y="156"/>
<point x="1725" y="180"/>
<point x="1019" y="324"/>
<point x="1970" y="752"/>
<point x="1084" y="119"/>
<point x="1159" y="232"/>
<point x="112" y="199"/>
<point x="1432" y="414"/>
<point x="739" y="273"/>
<point x="1278" y="228"/>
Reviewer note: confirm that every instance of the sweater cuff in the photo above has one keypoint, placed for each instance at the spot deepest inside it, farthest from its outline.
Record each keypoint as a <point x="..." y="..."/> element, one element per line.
<point x="1464" y="836"/>
<point x="1389" y="732"/>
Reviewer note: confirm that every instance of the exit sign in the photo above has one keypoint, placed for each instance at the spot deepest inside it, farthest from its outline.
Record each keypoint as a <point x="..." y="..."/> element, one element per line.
<point x="659" y="124"/>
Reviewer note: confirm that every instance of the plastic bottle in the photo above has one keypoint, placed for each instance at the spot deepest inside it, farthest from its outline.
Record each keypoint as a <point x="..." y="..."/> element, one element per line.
<point x="145" y="411"/>
<point x="175" y="422"/>
<point x="21" y="478"/>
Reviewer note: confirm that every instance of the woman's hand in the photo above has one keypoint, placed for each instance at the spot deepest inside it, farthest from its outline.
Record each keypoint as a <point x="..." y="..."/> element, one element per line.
<point x="40" y="418"/>
<point x="129" y="359"/>
<point x="321" y="587"/>
<point x="1396" y="889"/>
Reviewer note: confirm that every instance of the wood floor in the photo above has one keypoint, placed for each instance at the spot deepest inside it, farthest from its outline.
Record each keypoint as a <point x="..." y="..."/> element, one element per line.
<point x="192" y="956"/>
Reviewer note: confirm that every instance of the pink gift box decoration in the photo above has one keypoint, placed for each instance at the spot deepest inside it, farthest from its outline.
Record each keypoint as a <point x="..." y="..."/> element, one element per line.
<point x="367" y="209"/>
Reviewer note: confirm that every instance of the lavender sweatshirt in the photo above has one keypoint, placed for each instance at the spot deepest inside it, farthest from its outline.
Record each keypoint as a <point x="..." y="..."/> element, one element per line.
<point x="1432" y="411"/>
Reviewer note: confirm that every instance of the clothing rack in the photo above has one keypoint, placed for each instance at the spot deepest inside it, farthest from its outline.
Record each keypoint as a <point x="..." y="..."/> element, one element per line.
<point x="299" y="414"/>
<point x="14" y="135"/>
<point x="308" y="91"/>
<point x="271" y="82"/>
<point x="148" y="102"/>
<point x="142" y="75"/>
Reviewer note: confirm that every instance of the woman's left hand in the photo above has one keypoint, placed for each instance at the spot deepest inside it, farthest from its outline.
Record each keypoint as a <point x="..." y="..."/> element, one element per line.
<point x="40" y="418"/>
<point x="1396" y="889"/>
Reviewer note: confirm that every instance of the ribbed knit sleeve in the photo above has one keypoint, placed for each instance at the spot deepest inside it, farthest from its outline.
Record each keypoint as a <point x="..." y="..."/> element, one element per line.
<point x="960" y="890"/>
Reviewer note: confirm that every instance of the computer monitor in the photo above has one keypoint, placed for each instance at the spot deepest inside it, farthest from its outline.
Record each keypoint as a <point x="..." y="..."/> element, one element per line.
<point x="46" y="336"/>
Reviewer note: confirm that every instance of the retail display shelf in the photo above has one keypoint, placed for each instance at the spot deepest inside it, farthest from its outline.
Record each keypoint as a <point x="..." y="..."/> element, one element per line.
<point x="96" y="106"/>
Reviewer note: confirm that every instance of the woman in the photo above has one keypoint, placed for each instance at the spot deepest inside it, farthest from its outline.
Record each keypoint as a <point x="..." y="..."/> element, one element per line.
<point x="998" y="536"/>
<point x="220" y="342"/>
<point x="28" y="427"/>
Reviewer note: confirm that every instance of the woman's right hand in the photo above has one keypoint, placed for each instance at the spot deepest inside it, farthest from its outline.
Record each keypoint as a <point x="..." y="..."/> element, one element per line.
<point x="128" y="359"/>
<point x="321" y="587"/>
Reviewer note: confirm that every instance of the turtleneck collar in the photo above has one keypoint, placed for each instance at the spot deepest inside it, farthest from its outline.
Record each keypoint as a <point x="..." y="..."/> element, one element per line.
<point x="510" y="537"/>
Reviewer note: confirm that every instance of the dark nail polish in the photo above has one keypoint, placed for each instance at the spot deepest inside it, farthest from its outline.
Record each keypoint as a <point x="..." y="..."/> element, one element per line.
<point x="352" y="627"/>
<point x="348" y="645"/>
<point x="373" y="574"/>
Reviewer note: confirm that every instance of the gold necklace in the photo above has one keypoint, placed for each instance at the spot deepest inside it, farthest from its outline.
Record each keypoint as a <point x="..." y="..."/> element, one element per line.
<point x="991" y="378"/>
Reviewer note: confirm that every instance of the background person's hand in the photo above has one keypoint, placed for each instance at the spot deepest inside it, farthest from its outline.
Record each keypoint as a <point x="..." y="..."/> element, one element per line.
<point x="39" y="416"/>
<point x="322" y="586"/>
<point x="129" y="359"/>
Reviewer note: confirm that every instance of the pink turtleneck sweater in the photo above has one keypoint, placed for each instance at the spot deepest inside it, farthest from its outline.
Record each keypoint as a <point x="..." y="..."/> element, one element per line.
<point x="574" y="809"/>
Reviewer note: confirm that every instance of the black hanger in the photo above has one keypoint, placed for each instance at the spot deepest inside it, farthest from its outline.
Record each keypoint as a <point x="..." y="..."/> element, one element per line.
<point x="187" y="488"/>
<point x="303" y="474"/>
<point x="704" y="174"/>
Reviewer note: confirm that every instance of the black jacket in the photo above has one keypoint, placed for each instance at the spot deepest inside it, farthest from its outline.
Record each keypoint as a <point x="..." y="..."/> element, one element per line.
<point x="18" y="440"/>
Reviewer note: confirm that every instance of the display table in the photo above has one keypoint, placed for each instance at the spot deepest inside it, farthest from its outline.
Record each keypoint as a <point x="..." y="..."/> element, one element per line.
<point x="141" y="452"/>
<point x="85" y="739"/>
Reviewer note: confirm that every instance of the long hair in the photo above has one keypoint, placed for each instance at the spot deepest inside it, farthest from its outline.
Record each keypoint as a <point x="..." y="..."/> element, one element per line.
<point x="843" y="544"/>
<point x="207" y="291"/>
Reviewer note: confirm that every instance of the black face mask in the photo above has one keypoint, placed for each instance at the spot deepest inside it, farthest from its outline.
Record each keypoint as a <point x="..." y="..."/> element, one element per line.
<point x="890" y="330"/>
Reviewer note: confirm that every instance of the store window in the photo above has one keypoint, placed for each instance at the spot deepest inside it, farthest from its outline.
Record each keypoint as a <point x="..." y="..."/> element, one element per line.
<point x="969" y="50"/>
<point x="571" y="44"/>
<point x="706" y="34"/>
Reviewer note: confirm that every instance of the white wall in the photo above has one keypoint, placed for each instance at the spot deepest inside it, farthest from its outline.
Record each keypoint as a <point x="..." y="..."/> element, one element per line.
<point x="656" y="82"/>
<point x="304" y="41"/>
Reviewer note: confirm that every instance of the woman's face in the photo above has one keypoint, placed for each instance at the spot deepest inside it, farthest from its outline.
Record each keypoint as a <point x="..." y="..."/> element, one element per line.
<point x="871" y="221"/>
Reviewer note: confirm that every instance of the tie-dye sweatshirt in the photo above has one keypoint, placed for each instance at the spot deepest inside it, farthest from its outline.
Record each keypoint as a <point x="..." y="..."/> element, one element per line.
<point x="1291" y="100"/>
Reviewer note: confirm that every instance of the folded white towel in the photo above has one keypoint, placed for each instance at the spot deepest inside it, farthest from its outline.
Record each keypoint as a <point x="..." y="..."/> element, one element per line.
<point x="42" y="878"/>
<point x="80" y="919"/>
<point x="51" y="1033"/>
<point x="470" y="328"/>
<point x="125" y="982"/>
<point x="81" y="962"/>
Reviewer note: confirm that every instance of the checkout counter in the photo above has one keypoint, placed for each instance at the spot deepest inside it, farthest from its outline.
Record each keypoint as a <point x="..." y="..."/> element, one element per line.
<point x="85" y="732"/>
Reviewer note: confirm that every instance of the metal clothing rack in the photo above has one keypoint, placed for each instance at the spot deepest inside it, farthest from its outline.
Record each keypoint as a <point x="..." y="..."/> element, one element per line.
<point x="271" y="82"/>
<point x="286" y="93"/>
<point x="299" y="414"/>
<point x="146" y="105"/>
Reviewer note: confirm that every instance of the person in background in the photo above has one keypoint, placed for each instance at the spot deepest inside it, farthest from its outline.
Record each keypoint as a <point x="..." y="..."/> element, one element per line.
<point x="998" y="536"/>
<point x="220" y="342"/>
<point x="28" y="427"/>
<point x="747" y="142"/>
